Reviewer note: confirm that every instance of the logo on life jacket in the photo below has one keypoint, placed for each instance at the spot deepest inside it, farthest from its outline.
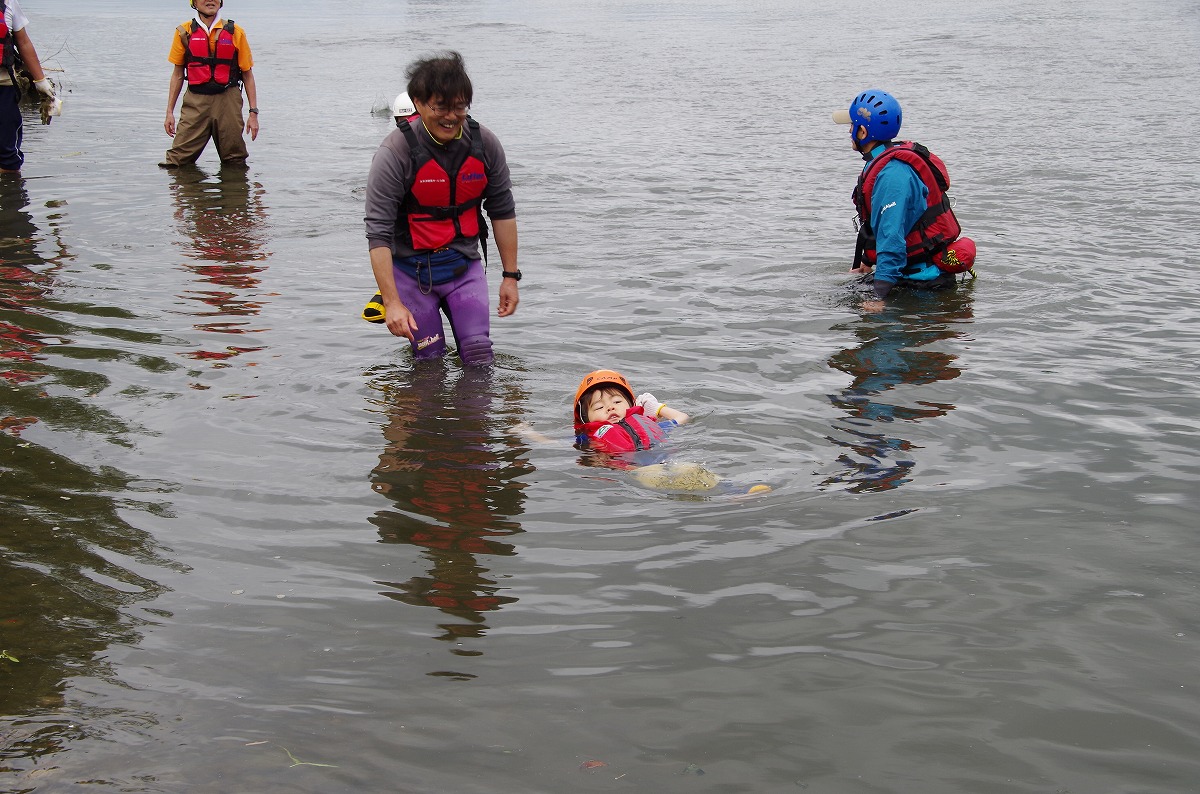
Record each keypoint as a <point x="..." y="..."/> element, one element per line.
<point x="210" y="67"/>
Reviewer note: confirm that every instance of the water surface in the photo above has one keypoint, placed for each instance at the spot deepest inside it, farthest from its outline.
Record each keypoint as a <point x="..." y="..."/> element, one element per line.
<point x="247" y="545"/>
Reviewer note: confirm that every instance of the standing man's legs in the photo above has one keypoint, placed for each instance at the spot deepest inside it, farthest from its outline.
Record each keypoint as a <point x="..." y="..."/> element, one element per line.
<point x="194" y="130"/>
<point x="11" y="130"/>
<point x="424" y="303"/>
<point x="227" y="126"/>
<point x="466" y="303"/>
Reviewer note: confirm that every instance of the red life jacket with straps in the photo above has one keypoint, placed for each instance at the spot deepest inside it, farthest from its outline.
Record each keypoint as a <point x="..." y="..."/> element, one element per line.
<point x="633" y="433"/>
<point x="935" y="229"/>
<point x="8" y="41"/>
<point x="209" y="70"/>
<point x="442" y="206"/>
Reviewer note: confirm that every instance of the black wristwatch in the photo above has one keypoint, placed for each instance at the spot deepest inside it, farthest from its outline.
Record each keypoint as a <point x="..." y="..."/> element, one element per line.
<point x="511" y="274"/>
<point x="254" y="110"/>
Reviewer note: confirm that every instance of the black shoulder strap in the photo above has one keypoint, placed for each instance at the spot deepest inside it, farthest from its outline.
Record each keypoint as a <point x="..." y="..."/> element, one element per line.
<point x="416" y="152"/>
<point x="923" y="152"/>
<point x="477" y="152"/>
<point x="476" y="140"/>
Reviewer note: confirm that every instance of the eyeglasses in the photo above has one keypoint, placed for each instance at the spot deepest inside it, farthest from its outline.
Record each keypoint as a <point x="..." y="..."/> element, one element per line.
<point x="459" y="110"/>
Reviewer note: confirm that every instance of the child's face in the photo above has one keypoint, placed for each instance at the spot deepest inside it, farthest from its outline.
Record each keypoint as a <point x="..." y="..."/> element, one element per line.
<point x="607" y="405"/>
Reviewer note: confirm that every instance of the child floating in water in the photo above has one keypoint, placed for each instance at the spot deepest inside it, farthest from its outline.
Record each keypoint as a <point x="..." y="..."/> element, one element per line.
<point x="609" y="420"/>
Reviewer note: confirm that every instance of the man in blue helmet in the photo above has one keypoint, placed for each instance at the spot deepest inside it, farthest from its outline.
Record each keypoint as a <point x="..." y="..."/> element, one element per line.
<point x="907" y="232"/>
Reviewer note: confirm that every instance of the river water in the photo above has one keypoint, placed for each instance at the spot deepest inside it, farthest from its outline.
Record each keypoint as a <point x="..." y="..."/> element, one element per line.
<point x="247" y="546"/>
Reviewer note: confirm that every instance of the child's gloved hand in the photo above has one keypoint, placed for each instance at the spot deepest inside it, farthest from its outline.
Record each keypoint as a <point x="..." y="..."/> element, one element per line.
<point x="649" y="404"/>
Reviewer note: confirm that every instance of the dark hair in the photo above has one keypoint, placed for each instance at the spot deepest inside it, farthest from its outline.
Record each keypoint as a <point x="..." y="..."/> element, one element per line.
<point x="442" y="76"/>
<point x="585" y="399"/>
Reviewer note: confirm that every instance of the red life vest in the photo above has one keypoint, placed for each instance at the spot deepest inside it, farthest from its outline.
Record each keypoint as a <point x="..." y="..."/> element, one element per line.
<point x="936" y="228"/>
<point x="635" y="432"/>
<point x="8" y="41"/>
<point x="209" y="70"/>
<point x="442" y="206"/>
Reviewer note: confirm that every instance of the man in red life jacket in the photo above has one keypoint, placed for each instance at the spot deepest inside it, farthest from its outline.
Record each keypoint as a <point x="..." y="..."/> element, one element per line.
<point x="431" y="180"/>
<point x="212" y="57"/>
<point x="17" y="46"/>
<point x="907" y="232"/>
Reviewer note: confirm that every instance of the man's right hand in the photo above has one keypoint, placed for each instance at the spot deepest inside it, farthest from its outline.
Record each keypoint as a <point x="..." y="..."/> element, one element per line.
<point x="169" y="124"/>
<point x="400" y="320"/>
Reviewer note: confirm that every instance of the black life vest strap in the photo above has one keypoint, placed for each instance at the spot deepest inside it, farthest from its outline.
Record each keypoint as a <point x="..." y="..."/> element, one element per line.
<point x="860" y="247"/>
<point x="637" y="440"/>
<point x="923" y="152"/>
<point x="932" y="212"/>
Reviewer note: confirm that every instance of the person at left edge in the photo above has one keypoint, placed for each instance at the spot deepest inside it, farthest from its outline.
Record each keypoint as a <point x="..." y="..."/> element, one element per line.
<point x="212" y="57"/>
<point x="16" y="42"/>
<point x="429" y="184"/>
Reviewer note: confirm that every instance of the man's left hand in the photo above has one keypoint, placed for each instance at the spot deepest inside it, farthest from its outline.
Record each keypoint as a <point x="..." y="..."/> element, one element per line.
<point x="509" y="297"/>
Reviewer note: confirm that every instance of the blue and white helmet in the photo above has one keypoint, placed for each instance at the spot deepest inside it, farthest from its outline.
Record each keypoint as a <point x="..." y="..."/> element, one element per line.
<point x="877" y="111"/>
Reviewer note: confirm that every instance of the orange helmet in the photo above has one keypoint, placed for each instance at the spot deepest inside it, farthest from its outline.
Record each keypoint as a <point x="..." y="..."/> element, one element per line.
<point x="600" y="377"/>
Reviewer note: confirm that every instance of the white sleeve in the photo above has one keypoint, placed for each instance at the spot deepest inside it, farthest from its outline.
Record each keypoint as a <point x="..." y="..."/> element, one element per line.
<point x="19" y="20"/>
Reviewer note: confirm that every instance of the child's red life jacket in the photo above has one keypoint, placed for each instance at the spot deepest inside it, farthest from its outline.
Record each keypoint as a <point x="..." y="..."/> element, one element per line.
<point x="633" y="433"/>
<point x="209" y="71"/>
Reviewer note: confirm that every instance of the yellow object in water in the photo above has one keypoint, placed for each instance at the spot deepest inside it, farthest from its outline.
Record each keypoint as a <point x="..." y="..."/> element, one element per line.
<point x="373" y="311"/>
<point x="676" y="477"/>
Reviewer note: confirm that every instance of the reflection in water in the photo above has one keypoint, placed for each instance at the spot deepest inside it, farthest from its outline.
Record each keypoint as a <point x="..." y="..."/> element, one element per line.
<point x="223" y="222"/>
<point x="62" y="535"/>
<point x="453" y="470"/>
<point x="25" y="282"/>
<point x="892" y="355"/>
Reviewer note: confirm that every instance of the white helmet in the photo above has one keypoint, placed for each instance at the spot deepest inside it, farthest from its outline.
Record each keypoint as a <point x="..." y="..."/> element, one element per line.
<point x="403" y="107"/>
